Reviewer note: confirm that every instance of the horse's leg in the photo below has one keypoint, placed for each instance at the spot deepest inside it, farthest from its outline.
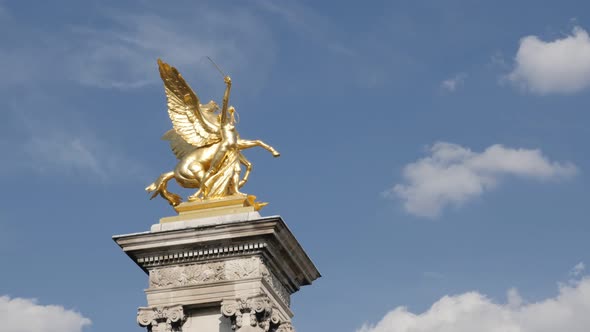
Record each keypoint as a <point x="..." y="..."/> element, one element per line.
<point x="156" y="186"/>
<point x="160" y="187"/>
<point x="194" y="169"/>
<point x="198" y="174"/>
<point x="248" y="165"/>
<point x="246" y="144"/>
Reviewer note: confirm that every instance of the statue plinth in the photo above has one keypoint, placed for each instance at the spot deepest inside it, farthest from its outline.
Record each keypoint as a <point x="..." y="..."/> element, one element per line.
<point x="229" y="205"/>
<point x="219" y="273"/>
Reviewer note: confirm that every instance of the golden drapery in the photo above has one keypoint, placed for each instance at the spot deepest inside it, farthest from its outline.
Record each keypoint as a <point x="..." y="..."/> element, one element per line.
<point x="222" y="184"/>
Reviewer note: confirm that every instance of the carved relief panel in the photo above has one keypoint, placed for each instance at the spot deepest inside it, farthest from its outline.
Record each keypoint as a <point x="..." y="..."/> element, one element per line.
<point x="233" y="269"/>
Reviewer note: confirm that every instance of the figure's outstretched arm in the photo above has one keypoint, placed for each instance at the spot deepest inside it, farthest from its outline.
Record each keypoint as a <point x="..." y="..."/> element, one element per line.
<point x="224" y="115"/>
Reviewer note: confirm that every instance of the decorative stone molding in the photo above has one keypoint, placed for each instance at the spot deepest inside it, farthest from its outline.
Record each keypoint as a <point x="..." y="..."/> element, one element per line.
<point x="276" y="285"/>
<point x="234" y="269"/>
<point x="161" y="319"/>
<point x="268" y="238"/>
<point x="186" y="275"/>
<point x="261" y="313"/>
<point x="200" y="254"/>
<point x="237" y="269"/>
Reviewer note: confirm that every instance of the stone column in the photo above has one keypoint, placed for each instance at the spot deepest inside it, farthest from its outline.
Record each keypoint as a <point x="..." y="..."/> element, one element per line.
<point x="219" y="274"/>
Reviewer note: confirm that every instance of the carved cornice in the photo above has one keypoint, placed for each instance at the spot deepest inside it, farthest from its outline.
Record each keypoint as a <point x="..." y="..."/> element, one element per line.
<point x="161" y="319"/>
<point x="269" y="237"/>
<point x="260" y="311"/>
<point x="200" y="254"/>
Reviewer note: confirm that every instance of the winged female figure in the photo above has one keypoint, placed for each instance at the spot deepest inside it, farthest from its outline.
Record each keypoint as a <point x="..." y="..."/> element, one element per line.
<point x="205" y="142"/>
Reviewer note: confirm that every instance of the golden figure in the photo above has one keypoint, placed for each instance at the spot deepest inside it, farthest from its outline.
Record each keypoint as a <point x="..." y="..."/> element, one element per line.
<point x="205" y="141"/>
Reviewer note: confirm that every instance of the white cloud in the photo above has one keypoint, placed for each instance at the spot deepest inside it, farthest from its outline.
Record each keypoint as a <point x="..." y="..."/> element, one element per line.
<point x="453" y="83"/>
<point x="472" y="311"/>
<point x="25" y="315"/>
<point x="454" y="174"/>
<point x="578" y="269"/>
<point x="558" y="66"/>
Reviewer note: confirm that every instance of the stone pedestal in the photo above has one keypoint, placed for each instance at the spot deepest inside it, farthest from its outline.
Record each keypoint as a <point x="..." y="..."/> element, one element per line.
<point x="234" y="272"/>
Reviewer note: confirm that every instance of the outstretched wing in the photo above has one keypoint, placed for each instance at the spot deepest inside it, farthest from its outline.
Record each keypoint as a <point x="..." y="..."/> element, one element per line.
<point x="184" y="111"/>
<point x="179" y="146"/>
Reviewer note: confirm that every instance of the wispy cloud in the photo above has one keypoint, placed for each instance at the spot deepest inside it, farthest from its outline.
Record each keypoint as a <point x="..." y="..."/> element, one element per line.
<point x="26" y="315"/>
<point x="309" y="23"/>
<point x="61" y="144"/>
<point x="81" y="155"/>
<point x="59" y="151"/>
<point x="453" y="83"/>
<point x="578" y="269"/>
<point x="453" y="175"/>
<point x="119" y="55"/>
<point x="122" y="54"/>
<point x="558" y="66"/>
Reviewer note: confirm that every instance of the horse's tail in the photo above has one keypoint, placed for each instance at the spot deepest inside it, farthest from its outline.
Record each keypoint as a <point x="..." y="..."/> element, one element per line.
<point x="160" y="186"/>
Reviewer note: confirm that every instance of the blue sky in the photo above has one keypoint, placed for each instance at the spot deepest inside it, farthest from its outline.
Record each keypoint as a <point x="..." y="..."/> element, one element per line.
<point x="433" y="152"/>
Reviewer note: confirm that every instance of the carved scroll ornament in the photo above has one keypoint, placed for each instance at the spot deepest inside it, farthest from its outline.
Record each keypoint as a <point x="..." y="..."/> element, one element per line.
<point x="161" y="319"/>
<point x="260" y="311"/>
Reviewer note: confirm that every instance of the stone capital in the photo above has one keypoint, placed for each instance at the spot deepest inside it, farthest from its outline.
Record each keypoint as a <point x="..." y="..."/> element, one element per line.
<point x="161" y="319"/>
<point x="255" y="311"/>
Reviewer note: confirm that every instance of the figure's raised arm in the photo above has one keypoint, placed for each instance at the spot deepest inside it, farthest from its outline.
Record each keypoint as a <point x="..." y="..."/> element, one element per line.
<point x="224" y="114"/>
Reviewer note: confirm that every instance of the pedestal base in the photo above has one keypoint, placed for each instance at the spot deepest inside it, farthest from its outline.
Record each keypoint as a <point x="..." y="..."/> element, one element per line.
<point x="233" y="272"/>
<point x="215" y="207"/>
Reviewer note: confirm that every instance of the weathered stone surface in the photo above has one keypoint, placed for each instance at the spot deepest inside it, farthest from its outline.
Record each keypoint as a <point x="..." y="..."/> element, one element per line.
<point x="248" y="267"/>
<point x="189" y="221"/>
<point x="232" y="269"/>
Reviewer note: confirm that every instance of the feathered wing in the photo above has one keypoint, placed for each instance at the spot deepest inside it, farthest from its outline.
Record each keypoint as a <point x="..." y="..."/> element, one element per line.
<point x="189" y="123"/>
<point x="179" y="146"/>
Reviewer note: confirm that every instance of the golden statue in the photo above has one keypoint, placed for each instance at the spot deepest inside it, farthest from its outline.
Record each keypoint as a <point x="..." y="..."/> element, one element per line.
<point x="205" y="142"/>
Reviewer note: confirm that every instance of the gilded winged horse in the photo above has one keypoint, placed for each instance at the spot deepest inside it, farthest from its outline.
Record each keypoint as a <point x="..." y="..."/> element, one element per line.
<point x="205" y="142"/>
